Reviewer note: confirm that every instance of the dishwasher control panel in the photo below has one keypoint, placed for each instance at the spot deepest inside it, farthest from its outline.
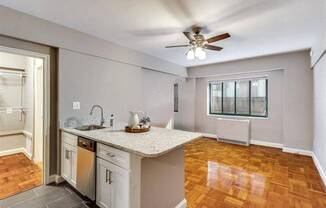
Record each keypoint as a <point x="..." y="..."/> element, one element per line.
<point x="87" y="144"/>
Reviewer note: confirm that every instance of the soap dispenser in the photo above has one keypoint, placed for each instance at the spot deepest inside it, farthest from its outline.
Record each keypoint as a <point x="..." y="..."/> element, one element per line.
<point x="111" y="121"/>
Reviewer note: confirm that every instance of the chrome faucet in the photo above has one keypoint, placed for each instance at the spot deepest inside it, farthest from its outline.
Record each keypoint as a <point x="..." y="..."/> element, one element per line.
<point x="100" y="107"/>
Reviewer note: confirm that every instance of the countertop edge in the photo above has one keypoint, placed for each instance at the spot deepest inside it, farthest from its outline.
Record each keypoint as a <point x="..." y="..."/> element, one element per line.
<point x="130" y="150"/>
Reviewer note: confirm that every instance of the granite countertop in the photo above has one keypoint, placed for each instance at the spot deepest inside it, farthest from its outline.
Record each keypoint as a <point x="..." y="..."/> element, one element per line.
<point x="155" y="143"/>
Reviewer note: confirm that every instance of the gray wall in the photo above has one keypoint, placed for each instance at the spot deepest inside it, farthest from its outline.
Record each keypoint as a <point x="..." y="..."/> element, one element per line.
<point x="320" y="42"/>
<point x="185" y="117"/>
<point x="297" y="104"/>
<point x="12" y="142"/>
<point x="23" y="26"/>
<point x="268" y="130"/>
<point x="162" y="180"/>
<point x="118" y="87"/>
<point x="320" y="112"/>
<point x="319" y="72"/>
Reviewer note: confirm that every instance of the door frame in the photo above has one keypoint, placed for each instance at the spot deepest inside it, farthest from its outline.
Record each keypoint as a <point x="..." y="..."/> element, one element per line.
<point x="46" y="105"/>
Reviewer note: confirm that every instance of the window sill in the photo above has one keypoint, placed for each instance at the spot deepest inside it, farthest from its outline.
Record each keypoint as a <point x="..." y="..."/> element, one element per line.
<point x="238" y="117"/>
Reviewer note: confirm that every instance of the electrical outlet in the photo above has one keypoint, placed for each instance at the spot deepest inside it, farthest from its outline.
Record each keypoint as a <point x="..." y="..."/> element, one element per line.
<point x="75" y="105"/>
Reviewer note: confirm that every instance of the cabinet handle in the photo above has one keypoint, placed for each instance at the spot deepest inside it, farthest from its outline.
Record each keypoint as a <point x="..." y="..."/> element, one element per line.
<point x="67" y="154"/>
<point x="108" y="175"/>
<point x="110" y="154"/>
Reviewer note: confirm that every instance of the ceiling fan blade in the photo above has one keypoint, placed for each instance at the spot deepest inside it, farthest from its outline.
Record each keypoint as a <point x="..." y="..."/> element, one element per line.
<point x="218" y="37"/>
<point x="176" y="46"/>
<point x="214" y="48"/>
<point x="189" y="35"/>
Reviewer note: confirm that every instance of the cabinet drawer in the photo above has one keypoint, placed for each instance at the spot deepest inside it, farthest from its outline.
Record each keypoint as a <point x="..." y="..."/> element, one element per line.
<point x="69" y="139"/>
<point x="117" y="157"/>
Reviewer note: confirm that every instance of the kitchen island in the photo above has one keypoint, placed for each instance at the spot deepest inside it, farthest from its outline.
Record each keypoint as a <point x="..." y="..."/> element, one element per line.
<point x="142" y="170"/>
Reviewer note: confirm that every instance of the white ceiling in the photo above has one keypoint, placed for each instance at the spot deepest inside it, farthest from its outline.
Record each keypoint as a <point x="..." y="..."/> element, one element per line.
<point x="258" y="27"/>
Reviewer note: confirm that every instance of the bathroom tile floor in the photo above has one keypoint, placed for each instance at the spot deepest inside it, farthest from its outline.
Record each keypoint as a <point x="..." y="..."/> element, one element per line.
<point x="18" y="174"/>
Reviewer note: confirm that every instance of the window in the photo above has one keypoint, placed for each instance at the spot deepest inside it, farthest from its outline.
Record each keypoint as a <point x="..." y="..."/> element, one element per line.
<point x="216" y="98"/>
<point x="242" y="97"/>
<point x="259" y="97"/>
<point x="239" y="98"/>
<point x="176" y="97"/>
<point x="228" y="97"/>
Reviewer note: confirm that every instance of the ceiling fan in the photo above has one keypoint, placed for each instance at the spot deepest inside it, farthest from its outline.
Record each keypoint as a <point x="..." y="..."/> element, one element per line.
<point x="197" y="43"/>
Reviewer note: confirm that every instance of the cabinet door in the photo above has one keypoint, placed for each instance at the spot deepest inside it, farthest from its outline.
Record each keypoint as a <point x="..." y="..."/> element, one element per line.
<point x="65" y="162"/>
<point x="120" y="187"/>
<point x="112" y="185"/>
<point x="103" y="186"/>
<point x="73" y="162"/>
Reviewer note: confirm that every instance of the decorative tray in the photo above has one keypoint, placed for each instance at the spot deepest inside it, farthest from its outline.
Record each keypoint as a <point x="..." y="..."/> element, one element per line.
<point x="136" y="130"/>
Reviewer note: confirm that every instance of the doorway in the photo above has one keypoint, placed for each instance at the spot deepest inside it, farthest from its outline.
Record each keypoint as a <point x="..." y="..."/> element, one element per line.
<point x="23" y="120"/>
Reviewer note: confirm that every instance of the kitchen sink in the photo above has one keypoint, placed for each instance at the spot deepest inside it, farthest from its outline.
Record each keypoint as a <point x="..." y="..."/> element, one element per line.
<point x="90" y="127"/>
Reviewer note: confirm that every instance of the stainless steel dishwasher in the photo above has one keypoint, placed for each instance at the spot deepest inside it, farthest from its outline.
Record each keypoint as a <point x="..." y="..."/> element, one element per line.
<point x="86" y="158"/>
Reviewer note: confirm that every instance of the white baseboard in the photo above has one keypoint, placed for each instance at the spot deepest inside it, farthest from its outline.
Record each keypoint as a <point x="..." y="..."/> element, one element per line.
<point x="52" y="178"/>
<point x="252" y="141"/>
<point x="208" y="135"/>
<point x="182" y="204"/>
<point x="297" y="151"/>
<point x="59" y="179"/>
<point x="266" y="144"/>
<point x="319" y="168"/>
<point x="11" y="151"/>
<point x="27" y="154"/>
<point x="270" y="144"/>
<point x="56" y="179"/>
<point x="15" y="151"/>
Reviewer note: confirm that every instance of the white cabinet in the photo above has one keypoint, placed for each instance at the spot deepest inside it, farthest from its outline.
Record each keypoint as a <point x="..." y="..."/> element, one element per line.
<point x="73" y="160"/>
<point x="112" y="185"/>
<point x="116" y="187"/>
<point x="69" y="158"/>
<point x="103" y="186"/>
<point x="65" y="162"/>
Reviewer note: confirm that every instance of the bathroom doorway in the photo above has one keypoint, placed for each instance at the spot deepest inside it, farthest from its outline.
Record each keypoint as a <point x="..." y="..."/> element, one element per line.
<point x="23" y="120"/>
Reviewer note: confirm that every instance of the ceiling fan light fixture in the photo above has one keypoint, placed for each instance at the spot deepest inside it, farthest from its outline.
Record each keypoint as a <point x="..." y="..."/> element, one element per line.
<point x="191" y="54"/>
<point x="198" y="44"/>
<point x="200" y="53"/>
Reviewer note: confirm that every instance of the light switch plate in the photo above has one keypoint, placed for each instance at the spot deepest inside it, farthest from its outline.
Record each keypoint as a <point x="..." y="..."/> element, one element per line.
<point x="75" y="105"/>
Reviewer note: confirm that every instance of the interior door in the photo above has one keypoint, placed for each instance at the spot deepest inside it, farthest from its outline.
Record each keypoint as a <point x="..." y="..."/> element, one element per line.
<point x="38" y="111"/>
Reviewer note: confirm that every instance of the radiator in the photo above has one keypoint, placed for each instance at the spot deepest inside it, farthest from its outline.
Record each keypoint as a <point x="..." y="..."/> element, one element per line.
<point x="234" y="131"/>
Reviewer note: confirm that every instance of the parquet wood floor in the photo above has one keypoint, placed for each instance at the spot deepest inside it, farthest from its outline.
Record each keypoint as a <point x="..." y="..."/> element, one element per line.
<point x="18" y="174"/>
<point x="231" y="176"/>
